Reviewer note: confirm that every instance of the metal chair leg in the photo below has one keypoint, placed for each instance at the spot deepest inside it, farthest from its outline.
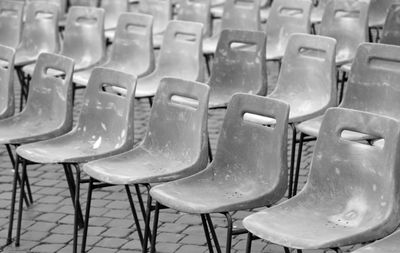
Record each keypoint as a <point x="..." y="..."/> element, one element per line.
<point x="296" y="177"/>
<point x="207" y="233"/>
<point x="210" y="154"/>
<point x="213" y="234"/>
<point x="287" y="250"/>
<point x="249" y="241"/>
<point x="292" y="157"/>
<point x="13" y="198"/>
<point x="147" y="221"/>
<point x="71" y="186"/>
<point x="87" y="215"/>
<point x="134" y="213"/>
<point x="140" y="199"/>
<point x="155" y="226"/>
<point x="229" y="232"/>
<point x="21" y="203"/>
<point x="76" y="207"/>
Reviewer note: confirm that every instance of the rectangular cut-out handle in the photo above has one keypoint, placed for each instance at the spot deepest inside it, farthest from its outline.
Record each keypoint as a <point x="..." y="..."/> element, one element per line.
<point x="347" y="14"/>
<point x="8" y="12"/>
<point x="291" y="12"/>
<point x="258" y="119"/>
<point x="386" y="64"/>
<point x="86" y="20"/>
<point x="184" y="101"/>
<point x="43" y="15"/>
<point x="113" y="89"/>
<point x="189" y="37"/>
<point x="243" y="46"/>
<point x="360" y="137"/>
<point x="312" y="52"/>
<point x="54" y="72"/>
<point x="4" y="63"/>
<point x="136" y="28"/>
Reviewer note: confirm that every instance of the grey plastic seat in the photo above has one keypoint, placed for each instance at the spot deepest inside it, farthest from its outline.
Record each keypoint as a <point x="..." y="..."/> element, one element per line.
<point x="180" y="57"/>
<point x="196" y="11"/>
<point x="132" y="49"/>
<point x="62" y="5"/>
<point x="238" y="68"/>
<point x="87" y="3"/>
<point x="113" y="10"/>
<point x="104" y="128"/>
<point x="391" y="28"/>
<point x="7" y="107"/>
<point x="238" y="15"/>
<point x="11" y="14"/>
<point x="378" y="12"/>
<point x="389" y="244"/>
<point x="352" y="193"/>
<point x="244" y="174"/>
<point x="317" y="12"/>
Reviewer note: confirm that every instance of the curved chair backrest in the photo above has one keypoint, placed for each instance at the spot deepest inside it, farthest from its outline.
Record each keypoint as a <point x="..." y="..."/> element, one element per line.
<point x="40" y="32"/>
<point x="241" y="15"/>
<point x="113" y="9"/>
<point x="87" y="3"/>
<point x="391" y="28"/>
<point x="239" y="68"/>
<point x="248" y="148"/>
<point x="378" y="11"/>
<point x="84" y="36"/>
<point x="373" y="82"/>
<point x="347" y="22"/>
<point x="11" y="14"/>
<point x="161" y="10"/>
<point x="361" y="178"/>
<point x="62" y="5"/>
<point x="178" y="121"/>
<point x="7" y="55"/>
<point x="287" y="17"/>
<point x="181" y="51"/>
<point x="132" y="48"/>
<point x="105" y="115"/>
<point x="196" y="11"/>
<point x="50" y="97"/>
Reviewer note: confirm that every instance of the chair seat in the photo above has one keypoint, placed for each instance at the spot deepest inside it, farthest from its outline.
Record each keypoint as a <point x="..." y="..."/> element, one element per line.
<point x="210" y="44"/>
<point x="274" y="54"/>
<point x="136" y="166"/>
<point x="390" y="244"/>
<point x="346" y="67"/>
<point x="23" y="58"/>
<point x="316" y="16"/>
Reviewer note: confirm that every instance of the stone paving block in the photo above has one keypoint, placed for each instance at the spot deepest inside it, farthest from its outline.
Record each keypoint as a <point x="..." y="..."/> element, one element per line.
<point x="114" y="243"/>
<point x="194" y="240"/>
<point x="42" y="226"/>
<point x="102" y="250"/>
<point x="117" y="232"/>
<point x="50" y="248"/>
<point x="34" y="235"/>
<point x="50" y="217"/>
<point x="163" y="247"/>
<point x="58" y="238"/>
<point x="169" y="237"/>
<point x="191" y="249"/>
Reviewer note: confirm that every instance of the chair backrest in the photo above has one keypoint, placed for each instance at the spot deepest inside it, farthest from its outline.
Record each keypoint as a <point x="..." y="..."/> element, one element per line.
<point x="308" y="71"/>
<point x="132" y="49"/>
<point x="249" y="148"/>
<point x="241" y="15"/>
<point x="113" y="9"/>
<point x="391" y="28"/>
<point x="50" y="97"/>
<point x="181" y="51"/>
<point x="287" y="17"/>
<point x="87" y="3"/>
<point x="11" y="14"/>
<point x="196" y="11"/>
<point x="62" y="5"/>
<point x="178" y="121"/>
<point x="40" y="32"/>
<point x="84" y="36"/>
<point x="105" y="115"/>
<point x="7" y="55"/>
<point x="361" y="178"/>
<point x="378" y="11"/>
<point x="161" y="10"/>
<point x="373" y="84"/>
<point x="347" y="22"/>
<point x="239" y="63"/>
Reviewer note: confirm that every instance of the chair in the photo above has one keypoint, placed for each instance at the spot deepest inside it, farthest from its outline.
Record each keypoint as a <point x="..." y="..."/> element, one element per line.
<point x="287" y="17"/>
<point x="372" y="87"/>
<point x="390" y="32"/>
<point x="249" y="169"/>
<point x="132" y="49"/>
<point x="317" y="11"/>
<point x="196" y="11"/>
<point x="7" y="56"/>
<point x="175" y="145"/>
<point x="11" y="13"/>
<point x="47" y="114"/>
<point x="62" y="5"/>
<point x="113" y="10"/>
<point x="352" y="191"/>
<point x="104" y="128"/>
<point x="388" y="244"/>
<point x="377" y="15"/>
<point x="180" y="57"/>
<point x="239" y="66"/>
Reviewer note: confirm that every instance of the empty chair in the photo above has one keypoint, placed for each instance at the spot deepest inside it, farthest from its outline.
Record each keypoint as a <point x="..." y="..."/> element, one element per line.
<point x="391" y="28"/>
<point x="113" y="9"/>
<point x="317" y="12"/>
<point x="239" y="66"/>
<point x="180" y="57"/>
<point x="345" y="201"/>
<point x="238" y="15"/>
<point x="132" y="49"/>
<point x="388" y="244"/>
<point x="249" y="169"/>
<point x="7" y="107"/>
<point x="11" y="13"/>
<point x="196" y="11"/>
<point x="287" y="17"/>
<point x="62" y="5"/>
<point x="104" y="128"/>
<point x="378" y="14"/>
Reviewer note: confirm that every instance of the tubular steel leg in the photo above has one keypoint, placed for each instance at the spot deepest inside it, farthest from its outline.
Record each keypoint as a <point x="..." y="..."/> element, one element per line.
<point x="13" y="198"/>
<point x="140" y="199"/>
<point x="76" y="207"/>
<point x="213" y="234"/>
<point x="207" y="233"/>
<point x="292" y="156"/>
<point x="147" y="221"/>
<point x="87" y="215"/>
<point x="155" y="226"/>
<point x="210" y="154"/>
<point x="28" y="189"/>
<point x="21" y="205"/>
<point x="150" y="101"/>
<point x="71" y="186"/>
<point x="287" y="250"/>
<point x="296" y="176"/>
<point x="134" y="213"/>
<point x="249" y="241"/>
<point x="229" y="232"/>
<point x="338" y="250"/>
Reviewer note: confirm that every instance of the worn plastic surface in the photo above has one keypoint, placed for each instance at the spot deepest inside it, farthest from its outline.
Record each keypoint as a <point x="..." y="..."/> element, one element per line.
<point x="48" y="112"/>
<point x="239" y="66"/>
<point x="132" y="49"/>
<point x="237" y="15"/>
<point x="87" y="3"/>
<point x="390" y="33"/>
<point x="318" y="11"/>
<point x="105" y="124"/>
<point x="113" y="9"/>
<point x="373" y="85"/>
<point x="40" y="32"/>
<point x="11" y="13"/>
<point x="196" y="11"/>
<point x="250" y="165"/>
<point x="175" y="144"/>
<point x="347" y="22"/>
<point x="180" y="57"/>
<point x="287" y="17"/>
<point x="307" y="79"/>
<point x="378" y="12"/>
<point x="62" y="5"/>
<point x="351" y="195"/>
<point x="7" y="56"/>
<point x="390" y="244"/>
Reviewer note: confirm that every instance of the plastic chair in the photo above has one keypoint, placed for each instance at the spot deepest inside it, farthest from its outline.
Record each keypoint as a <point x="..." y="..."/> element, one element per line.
<point x="62" y="5"/>
<point x="249" y="169"/>
<point x="180" y="57"/>
<point x="388" y="244"/>
<point x="132" y="49"/>
<point x="287" y="17"/>
<point x="196" y="11"/>
<point x="238" y="15"/>
<point x="11" y="14"/>
<point x="7" y="56"/>
<point x="113" y="9"/>
<point x="48" y="113"/>
<point x="104" y="128"/>
<point x="317" y="11"/>
<point x="238" y="68"/>
<point x="345" y="201"/>
<point x="86" y="3"/>
<point x="377" y="15"/>
<point x="390" y="32"/>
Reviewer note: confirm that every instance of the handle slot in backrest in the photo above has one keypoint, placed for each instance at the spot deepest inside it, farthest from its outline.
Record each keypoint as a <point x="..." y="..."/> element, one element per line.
<point x="43" y="15"/>
<point x="244" y="3"/>
<point x="243" y="46"/>
<point x="187" y="102"/>
<point x="360" y="137"/>
<point x="187" y="37"/>
<point x="8" y="12"/>
<point x="113" y="89"/>
<point x="135" y="28"/>
<point x="53" y="72"/>
<point x="4" y="63"/>
<point x="257" y="119"/>
<point x="89" y="21"/>
<point x="347" y="14"/>
<point x="384" y="64"/>
<point x="290" y="12"/>
<point x="316" y="53"/>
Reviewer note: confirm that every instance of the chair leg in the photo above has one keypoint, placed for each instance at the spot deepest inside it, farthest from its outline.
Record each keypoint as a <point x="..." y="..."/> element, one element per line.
<point x="71" y="186"/>
<point x="21" y="205"/>
<point x="292" y="157"/>
<point x="76" y="207"/>
<point x="207" y="233"/>
<point x="229" y="232"/>
<point x="287" y="250"/>
<point x="140" y="199"/>
<point x="338" y="250"/>
<point x="13" y="198"/>
<point x="150" y="101"/>
<point x="147" y="220"/>
<point x="296" y="177"/>
<point x="213" y="234"/>
<point x="134" y="213"/>
<point x="249" y="241"/>
<point x="210" y="154"/>
<point x="87" y="215"/>
<point x="155" y="226"/>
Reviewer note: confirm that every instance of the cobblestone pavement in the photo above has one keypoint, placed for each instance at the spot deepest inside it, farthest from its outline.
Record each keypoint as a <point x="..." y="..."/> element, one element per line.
<point x="47" y="224"/>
